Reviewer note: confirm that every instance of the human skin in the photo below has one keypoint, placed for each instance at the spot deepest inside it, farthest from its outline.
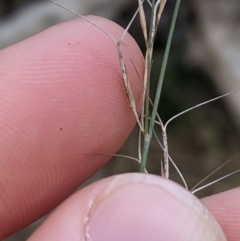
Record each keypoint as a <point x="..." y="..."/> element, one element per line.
<point x="62" y="100"/>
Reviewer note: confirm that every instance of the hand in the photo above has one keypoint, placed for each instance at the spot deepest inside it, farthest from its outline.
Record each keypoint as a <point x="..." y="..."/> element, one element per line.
<point x="62" y="98"/>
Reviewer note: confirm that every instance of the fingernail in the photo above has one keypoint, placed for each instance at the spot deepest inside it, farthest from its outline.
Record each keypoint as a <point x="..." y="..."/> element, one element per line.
<point x="147" y="207"/>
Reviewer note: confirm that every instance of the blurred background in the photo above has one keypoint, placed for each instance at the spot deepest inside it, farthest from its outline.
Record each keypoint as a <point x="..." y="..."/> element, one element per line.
<point x="203" y="64"/>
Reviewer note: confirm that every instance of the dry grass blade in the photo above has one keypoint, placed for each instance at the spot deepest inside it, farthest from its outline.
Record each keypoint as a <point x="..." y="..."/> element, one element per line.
<point x="127" y="85"/>
<point x="218" y="180"/>
<point x="173" y="163"/>
<point x="143" y="20"/>
<point x="126" y="82"/>
<point x="118" y="155"/>
<point x="199" y="105"/>
<point x="129" y="24"/>
<point x="165" y="162"/>
<point x="160" y="10"/>
<point x="140" y="145"/>
<point x="150" y="4"/>
<point x="86" y="19"/>
<point x="144" y="87"/>
<point x="212" y="173"/>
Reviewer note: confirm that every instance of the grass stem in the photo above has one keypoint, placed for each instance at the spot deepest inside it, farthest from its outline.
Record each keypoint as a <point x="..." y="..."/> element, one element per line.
<point x="148" y="137"/>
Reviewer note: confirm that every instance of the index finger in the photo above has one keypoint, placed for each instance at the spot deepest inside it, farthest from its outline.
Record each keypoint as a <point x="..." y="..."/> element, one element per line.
<point x="61" y="97"/>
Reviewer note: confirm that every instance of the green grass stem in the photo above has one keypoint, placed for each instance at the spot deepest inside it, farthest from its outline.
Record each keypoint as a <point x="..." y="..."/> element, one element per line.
<point x="148" y="136"/>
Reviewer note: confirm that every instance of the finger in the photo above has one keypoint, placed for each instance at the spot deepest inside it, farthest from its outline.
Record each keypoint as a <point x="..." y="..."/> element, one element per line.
<point x="225" y="208"/>
<point x="61" y="100"/>
<point x="131" y="207"/>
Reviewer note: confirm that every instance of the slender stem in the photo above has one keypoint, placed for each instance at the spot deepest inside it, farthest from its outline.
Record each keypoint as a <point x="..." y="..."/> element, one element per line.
<point x="148" y="69"/>
<point x="152" y="23"/>
<point x="148" y="137"/>
<point x="144" y="152"/>
<point x="165" y="153"/>
<point x="148" y="65"/>
<point x="148" y="60"/>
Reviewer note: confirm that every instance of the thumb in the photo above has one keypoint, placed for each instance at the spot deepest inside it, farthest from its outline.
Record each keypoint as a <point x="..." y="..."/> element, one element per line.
<point x="131" y="207"/>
